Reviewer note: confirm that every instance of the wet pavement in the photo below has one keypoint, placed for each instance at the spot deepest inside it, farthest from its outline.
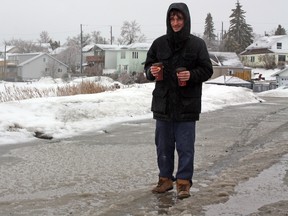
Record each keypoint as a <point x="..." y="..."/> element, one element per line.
<point x="111" y="172"/>
<point x="268" y="187"/>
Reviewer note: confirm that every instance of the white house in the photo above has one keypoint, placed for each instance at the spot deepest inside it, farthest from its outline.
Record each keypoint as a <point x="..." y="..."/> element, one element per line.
<point x="281" y="77"/>
<point x="39" y="66"/>
<point x="266" y="51"/>
<point x="18" y="58"/>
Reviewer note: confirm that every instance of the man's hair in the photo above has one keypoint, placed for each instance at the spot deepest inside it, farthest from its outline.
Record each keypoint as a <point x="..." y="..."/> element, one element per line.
<point x="177" y="13"/>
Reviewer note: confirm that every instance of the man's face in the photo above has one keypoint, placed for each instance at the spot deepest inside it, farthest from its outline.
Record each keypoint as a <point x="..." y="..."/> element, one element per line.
<point x="177" y="22"/>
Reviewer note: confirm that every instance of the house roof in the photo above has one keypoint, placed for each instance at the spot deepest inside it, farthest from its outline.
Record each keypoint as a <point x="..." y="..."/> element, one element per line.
<point x="108" y="46"/>
<point x="88" y="47"/>
<point x="266" y="41"/>
<point x="58" y="50"/>
<point x="101" y="46"/>
<point x="256" y="51"/>
<point x="8" y="49"/>
<point x="134" y="46"/>
<point x="137" y="46"/>
<point x="24" y="54"/>
<point x="284" y="71"/>
<point x="38" y="56"/>
<point x="227" y="80"/>
<point x="225" y="59"/>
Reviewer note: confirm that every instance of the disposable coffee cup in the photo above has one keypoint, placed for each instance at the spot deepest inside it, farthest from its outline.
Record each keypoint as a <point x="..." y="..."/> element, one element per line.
<point x="178" y="70"/>
<point x="160" y="72"/>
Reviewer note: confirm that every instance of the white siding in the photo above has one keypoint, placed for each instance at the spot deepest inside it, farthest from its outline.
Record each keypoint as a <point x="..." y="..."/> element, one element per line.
<point x="42" y="66"/>
<point x="110" y="59"/>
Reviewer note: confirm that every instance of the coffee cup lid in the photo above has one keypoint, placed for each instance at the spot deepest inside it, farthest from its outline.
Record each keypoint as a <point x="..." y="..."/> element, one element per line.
<point x="180" y="69"/>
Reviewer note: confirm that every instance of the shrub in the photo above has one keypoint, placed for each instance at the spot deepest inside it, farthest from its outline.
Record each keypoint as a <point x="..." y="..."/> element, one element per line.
<point x="85" y="87"/>
<point x="15" y="93"/>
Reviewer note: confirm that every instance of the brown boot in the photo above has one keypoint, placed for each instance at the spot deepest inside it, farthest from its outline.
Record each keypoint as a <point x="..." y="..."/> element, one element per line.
<point x="164" y="184"/>
<point x="183" y="188"/>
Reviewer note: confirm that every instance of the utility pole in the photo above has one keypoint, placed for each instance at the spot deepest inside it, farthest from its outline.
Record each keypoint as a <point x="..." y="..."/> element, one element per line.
<point x="81" y="47"/>
<point x="222" y="32"/>
<point x="111" y="37"/>
<point x="4" y="66"/>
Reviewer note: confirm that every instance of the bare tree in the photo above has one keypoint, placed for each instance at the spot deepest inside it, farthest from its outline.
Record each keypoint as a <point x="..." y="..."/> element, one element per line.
<point x="268" y="60"/>
<point x="86" y="39"/>
<point x="131" y="33"/>
<point x="52" y="68"/>
<point x="97" y="38"/>
<point x="44" y="37"/>
<point x="70" y="56"/>
<point x="25" y="46"/>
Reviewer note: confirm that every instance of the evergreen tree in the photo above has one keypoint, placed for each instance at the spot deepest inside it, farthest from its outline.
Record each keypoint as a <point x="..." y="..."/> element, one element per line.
<point x="239" y="35"/>
<point x="280" y="30"/>
<point x="209" y="35"/>
<point x="209" y="28"/>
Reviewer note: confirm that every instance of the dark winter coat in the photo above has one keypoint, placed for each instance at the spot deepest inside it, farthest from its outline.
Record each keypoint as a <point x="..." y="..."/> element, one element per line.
<point x="178" y="49"/>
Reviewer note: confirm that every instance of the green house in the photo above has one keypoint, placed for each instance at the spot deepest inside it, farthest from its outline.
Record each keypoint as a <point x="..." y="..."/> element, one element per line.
<point x="130" y="58"/>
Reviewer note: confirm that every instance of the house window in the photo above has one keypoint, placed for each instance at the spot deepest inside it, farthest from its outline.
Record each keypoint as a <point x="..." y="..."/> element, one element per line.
<point x="59" y="70"/>
<point x="123" y="54"/>
<point x="46" y="69"/>
<point x="44" y="59"/>
<point x="125" y="67"/>
<point x="134" y="55"/>
<point x="279" y="45"/>
<point x="282" y="58"/>
<point x="252" y="59"/>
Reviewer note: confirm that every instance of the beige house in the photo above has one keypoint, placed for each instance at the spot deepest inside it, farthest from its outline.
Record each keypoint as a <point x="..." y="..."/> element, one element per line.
<point x="268" y="51"/>
<point x="8" y="70"/>
<point x="229" y="64"/>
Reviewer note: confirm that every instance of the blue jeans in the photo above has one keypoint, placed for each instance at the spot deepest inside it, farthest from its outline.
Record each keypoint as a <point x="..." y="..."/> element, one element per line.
<point x="179" y="135"/>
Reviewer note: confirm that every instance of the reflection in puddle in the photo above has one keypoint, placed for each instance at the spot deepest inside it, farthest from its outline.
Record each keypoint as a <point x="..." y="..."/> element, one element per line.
<point x="268" y="187"/>
<point x="164" y="202"/>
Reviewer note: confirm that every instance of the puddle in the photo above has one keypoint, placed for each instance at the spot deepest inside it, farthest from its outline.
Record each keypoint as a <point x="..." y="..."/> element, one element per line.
<point x="268" y="187"/>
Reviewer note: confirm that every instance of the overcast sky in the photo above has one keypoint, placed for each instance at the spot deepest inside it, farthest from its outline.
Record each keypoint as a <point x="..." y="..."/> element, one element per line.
<point x="62" y="18"/>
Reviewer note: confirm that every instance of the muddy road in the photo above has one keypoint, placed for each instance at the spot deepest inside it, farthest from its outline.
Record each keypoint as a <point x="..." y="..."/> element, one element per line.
<point x="240" y="152"/>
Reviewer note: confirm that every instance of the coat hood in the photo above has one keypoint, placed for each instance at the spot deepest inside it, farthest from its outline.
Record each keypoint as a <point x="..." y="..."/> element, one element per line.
<point x="185" y="32"/>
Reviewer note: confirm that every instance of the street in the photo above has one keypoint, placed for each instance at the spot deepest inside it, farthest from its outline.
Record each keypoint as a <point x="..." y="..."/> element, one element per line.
<point x="111" y="172"/>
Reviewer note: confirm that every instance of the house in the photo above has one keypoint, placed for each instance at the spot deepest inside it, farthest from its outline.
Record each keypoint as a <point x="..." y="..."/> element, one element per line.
<point x="18" y="58"/>
<point x="230" y="81"/>
<point x="267" y="51"/>
<point x="130" y="58"/>
<point x="281" y="77"/>
<point x="36" y="65"/>
<point x="8" y="70"/>
<point x="4" y="50"/>
<point x="115" y="58"/>
<point x="102" y="56"/>
<point x="228" y="63"/>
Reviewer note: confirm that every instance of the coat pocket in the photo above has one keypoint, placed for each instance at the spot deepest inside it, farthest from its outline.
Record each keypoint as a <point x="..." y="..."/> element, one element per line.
<point x="190" y="100"/>
<point x="163" y="57"/>
<point x="189" y="60"/>
<point x="159" y="101"/>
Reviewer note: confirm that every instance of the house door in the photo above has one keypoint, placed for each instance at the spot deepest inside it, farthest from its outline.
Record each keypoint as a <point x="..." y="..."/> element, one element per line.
<point x="281" y="59"/>
<point x="283" y="81"/>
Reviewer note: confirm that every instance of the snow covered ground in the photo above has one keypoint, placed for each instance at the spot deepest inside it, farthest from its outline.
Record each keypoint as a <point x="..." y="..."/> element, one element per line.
<point x="61" y="117"/>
